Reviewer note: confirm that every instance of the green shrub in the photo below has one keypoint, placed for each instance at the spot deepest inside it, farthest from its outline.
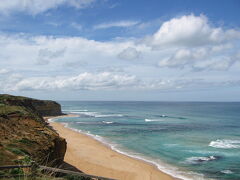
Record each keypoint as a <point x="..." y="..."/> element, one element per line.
<point x="15" y="151"/>
<point x="73" y="177"/>
<point x="26" y="141"/>
<point x="17" y="171"/>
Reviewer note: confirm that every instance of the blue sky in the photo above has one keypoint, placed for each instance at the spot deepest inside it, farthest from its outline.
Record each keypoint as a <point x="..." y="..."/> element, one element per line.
<point x="177" y="50"/>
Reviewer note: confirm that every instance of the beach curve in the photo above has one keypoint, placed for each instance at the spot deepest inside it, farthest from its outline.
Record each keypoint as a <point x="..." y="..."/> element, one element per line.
<point x="93" y="157"/>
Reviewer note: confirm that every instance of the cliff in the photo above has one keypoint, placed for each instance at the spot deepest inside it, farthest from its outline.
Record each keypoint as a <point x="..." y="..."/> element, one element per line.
<point x="25" y="136"/>
<point x="42" y="107"/>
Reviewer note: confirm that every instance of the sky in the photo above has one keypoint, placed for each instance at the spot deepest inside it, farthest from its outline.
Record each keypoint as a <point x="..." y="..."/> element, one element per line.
<point x="138" y="50"/>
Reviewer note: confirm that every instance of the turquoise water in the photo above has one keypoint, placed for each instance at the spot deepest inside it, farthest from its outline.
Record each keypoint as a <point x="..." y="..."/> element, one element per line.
<point x="187" y="140"/>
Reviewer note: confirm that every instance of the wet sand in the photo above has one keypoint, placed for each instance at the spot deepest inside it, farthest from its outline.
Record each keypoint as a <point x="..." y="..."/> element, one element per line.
<point x="93" y="157"/>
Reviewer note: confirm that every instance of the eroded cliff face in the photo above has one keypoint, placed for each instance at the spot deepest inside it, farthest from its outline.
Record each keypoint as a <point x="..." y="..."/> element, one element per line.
<point x="42" y="107"/>
<point x="25" y="135"/>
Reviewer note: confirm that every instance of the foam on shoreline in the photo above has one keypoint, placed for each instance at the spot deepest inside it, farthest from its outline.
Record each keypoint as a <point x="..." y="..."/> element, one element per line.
<point x="170" y="170"/>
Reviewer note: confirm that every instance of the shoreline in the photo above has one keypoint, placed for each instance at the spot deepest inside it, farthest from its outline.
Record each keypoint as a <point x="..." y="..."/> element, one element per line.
<point x="95" y="157"/>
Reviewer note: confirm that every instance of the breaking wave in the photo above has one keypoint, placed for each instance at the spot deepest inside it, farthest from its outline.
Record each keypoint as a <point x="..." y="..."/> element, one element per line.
<point x="93" y="114"/>
<point x="197" y="160"/>
<point x="227" y="171"/>
<point x="153" y="120"/>
<point x="107" y="122"/>
<point x="225" y="144"/>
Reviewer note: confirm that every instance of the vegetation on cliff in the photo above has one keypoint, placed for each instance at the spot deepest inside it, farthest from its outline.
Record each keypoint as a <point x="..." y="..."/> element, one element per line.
<point x="25" y="136"/>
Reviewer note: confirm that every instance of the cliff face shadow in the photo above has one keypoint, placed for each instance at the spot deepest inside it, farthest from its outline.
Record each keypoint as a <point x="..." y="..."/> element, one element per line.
<point x="67" y="166"/>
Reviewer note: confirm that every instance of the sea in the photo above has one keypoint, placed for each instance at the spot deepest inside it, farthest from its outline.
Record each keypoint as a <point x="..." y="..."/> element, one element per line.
<point x="188" y="140"/>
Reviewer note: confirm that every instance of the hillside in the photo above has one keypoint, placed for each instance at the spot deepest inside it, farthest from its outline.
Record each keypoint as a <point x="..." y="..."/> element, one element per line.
<point x="25" y="136"/>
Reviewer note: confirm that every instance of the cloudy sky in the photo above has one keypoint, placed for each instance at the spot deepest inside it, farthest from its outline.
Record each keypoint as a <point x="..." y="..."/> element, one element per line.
<point x="172" y="50"/>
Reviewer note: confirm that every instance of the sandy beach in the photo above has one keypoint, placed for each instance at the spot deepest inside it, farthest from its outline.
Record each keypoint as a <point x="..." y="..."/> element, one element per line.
<point x="93" y="157"/>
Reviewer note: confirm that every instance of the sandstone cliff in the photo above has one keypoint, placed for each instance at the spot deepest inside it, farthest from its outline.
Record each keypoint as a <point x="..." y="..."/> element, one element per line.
<point x="24" y="135"/>
<point x="42" y="107"/>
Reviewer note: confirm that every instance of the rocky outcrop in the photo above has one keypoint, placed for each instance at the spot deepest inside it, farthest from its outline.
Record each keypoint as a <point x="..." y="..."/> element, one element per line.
<point x="42" y="107"/>
<point x="24" y="134"/>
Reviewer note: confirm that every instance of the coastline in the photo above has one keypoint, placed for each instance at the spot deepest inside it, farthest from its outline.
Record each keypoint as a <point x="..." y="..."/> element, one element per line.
<point x="93" y="157"/>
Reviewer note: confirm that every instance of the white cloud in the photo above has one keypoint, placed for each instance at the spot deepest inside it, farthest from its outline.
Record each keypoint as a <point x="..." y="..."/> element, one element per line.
<point x="106" y="81"/>
<point x="38" y="6"/>
<point x="129" y="53"/>
<point x="3" y="71"/>
<point x="221" y="47"/>
<point x="219" y="63"/>
<point x="188" y="31"/>
<point x="194" y="43"/>
<point x="75" y="63"/>
<point x="116" y="24"/>
<point x="45" y="55"/>
<point x="184" y="57"/>
<point x="200" y="59"/>
<point x="83" y="81"/>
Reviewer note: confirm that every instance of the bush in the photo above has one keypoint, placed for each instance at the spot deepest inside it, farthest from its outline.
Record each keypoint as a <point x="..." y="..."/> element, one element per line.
<point x="15" y="151"/>
<point x="26" y="141"/>
<point x="72" y="177"/>
<point x="17" y="171"/>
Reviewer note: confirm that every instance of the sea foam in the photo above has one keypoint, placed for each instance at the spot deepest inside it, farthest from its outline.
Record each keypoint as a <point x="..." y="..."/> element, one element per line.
<point x="153" y="120"/>
<point x="79" y="110"/>
<point x="226" y="171"/>
<point x="171" y="170"/>
<point x="225" y="144"/>
<point x="94" y="114"/>
<point x="107" y="122"/>
<point x="197" y="160"/>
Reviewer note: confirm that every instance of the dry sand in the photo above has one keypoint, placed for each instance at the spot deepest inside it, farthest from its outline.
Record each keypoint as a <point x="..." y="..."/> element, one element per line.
<point x="93" y="157"/>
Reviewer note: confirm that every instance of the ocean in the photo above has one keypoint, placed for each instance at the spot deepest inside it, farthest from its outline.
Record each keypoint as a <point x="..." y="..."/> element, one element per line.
<point x="189" y="140"/>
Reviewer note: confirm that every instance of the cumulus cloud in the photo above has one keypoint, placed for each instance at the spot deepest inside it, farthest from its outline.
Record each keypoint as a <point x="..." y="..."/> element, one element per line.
<point x="129" y="53"/>
<point x="93" y="65"/>
<point x="200" y="59"/>
<point x="83" y="81"/>
<point x="219" y="63"/>
<point x="116" y="24"/>
<point x="3" y="71"/>
<point x="106" y="81"/>
<point x="188" y="31"/>
<point x="45" y="55"/>
<point x="184" y="57"/>
<point x="194" y="43"/>
<point x="38" y="6"/>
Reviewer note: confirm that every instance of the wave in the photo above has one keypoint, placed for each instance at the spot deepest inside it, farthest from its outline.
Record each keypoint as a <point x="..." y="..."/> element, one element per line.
<point x="163" y="115"/>
<point x="226" y="171"/>
<point x="225" y="144"/>
<point x="197" y="160"/>
<point x="87" y="113"/>
<point x="170" y="117"/>
<point x="107" y="122"/>
<point x="84" y="114"/>
<point x="153" y="120"/>
<point x="108" y="115"/>
<point x="80" y="122"/>
<point x="79" y="110"/>
<point x="50" y="119"/>
<point x="171" y="170"/>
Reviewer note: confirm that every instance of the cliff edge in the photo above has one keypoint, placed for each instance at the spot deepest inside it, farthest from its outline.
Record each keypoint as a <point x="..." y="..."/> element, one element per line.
<point x="25" y="136"/>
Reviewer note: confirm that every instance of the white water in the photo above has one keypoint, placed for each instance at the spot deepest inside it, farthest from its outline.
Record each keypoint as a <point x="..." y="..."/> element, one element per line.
<point x="225" y="144"/>
<point x="168" y="169"/>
